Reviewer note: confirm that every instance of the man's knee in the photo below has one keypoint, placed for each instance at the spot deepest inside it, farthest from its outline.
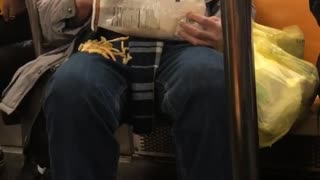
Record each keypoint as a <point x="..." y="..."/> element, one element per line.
<point x="69" y="80"/>
<point x="203" y="71"/>
<point x="85" y="77"/>
<point x="197" y="80"/>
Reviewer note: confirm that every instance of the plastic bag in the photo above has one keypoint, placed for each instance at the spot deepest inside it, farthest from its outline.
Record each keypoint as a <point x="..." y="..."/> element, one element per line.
<point x="290" y="39"/>
<point x="144" y="18"/>
<point x="278" y="99"/>
<point x="285" y="84"/>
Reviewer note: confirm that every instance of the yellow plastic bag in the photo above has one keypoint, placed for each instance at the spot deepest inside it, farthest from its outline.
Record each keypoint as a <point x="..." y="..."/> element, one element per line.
<point x="285" y="84"/>
<point x="279" y="97"/>
<point x="290" y="39"/>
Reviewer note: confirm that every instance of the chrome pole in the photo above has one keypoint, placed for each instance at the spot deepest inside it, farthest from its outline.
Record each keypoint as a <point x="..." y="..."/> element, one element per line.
<point x="240" y="81"/>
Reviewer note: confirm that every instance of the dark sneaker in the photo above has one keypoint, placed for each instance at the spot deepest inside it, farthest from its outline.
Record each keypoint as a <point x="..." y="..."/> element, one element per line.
<point x="31" y="171"/>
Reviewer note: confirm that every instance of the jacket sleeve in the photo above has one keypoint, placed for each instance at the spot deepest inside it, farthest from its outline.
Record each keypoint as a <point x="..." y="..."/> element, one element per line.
<point x="54" y="16"/>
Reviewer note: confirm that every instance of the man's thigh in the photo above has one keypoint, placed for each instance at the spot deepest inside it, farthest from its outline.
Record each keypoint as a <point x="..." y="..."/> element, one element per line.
<point x="187" y="71"/>
<point x="91" y="78"/>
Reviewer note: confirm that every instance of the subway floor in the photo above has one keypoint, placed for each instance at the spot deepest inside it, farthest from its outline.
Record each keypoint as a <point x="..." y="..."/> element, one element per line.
<point x="292" y="158"/>
<point x="140" y="170"/>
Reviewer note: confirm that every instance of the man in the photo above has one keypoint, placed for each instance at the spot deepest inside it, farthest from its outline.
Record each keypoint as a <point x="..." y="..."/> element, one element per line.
<point x="87" y="97"/>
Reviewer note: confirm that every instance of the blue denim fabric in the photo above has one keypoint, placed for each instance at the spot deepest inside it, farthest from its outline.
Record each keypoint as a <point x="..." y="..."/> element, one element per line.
<point x="87" y="99"/>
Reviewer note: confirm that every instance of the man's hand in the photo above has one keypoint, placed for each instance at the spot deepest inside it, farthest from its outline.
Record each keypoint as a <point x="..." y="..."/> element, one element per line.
<point x="209" y="35"/>
<point x="13" y="8"/>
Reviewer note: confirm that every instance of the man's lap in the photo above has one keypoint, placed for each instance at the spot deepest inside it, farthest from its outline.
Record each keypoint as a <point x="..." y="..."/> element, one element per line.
<point x="183" y="68"/>
<point x="191" y="59"/>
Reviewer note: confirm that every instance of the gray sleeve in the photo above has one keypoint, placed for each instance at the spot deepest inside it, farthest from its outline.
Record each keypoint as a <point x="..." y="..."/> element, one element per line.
<point x="54" y="15"/>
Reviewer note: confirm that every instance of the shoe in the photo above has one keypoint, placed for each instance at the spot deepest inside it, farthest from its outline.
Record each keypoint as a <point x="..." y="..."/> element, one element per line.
<point x="44" y="173"/>
<point x="31" y="171"/>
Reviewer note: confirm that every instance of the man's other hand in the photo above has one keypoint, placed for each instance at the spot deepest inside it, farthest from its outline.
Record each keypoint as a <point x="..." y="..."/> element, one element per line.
<point x="210" y="34"/>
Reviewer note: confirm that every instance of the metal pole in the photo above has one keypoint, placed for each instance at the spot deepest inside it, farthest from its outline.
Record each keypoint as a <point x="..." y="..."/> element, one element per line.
<point x="239" y="67"/>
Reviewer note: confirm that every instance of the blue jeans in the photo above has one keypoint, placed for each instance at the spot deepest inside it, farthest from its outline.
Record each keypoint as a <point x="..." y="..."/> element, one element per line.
<point x="87" y="98"/>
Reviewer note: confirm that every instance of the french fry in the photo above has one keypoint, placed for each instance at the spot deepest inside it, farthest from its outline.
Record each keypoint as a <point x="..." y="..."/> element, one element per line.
<point x="105" y="48"/>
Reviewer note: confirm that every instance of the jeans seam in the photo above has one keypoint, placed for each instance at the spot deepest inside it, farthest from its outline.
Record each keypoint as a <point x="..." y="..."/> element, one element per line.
<point x="167" y="101"/>
<point x="119" y="98"/>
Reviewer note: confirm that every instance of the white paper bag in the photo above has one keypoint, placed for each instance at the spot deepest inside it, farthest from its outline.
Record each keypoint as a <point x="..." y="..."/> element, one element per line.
<point x="144" y="18"/>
